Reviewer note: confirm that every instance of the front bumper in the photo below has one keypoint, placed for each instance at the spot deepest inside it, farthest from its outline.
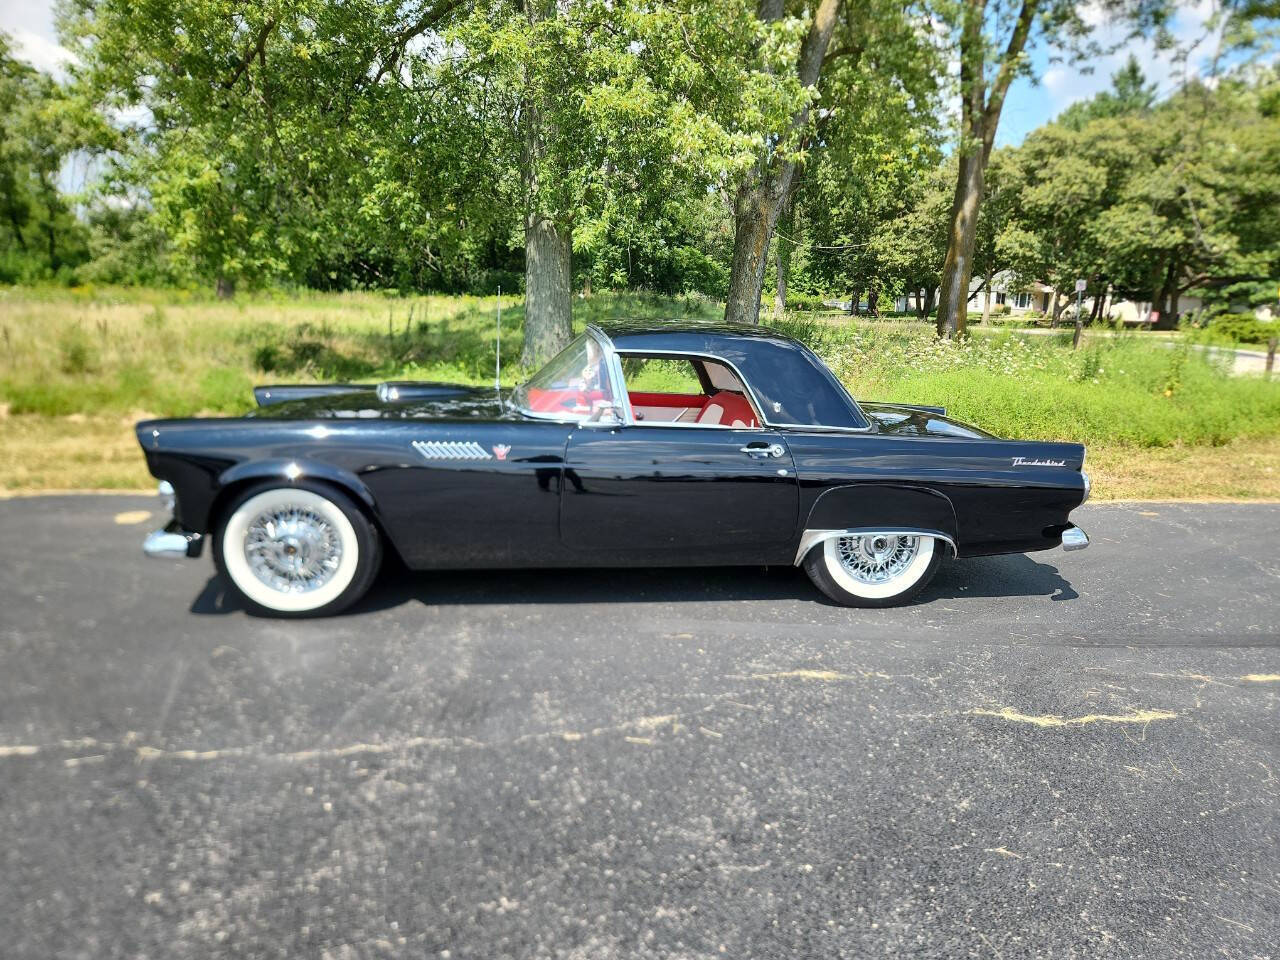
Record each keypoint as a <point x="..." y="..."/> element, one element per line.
<point x="1073" y="538"/>
<point x="172" y="543"/>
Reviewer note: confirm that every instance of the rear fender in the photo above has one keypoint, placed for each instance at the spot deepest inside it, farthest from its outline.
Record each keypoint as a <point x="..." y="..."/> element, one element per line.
<point x="881" y="507"/>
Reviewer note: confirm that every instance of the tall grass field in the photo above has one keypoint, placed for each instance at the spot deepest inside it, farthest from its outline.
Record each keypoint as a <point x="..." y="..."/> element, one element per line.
<point x="1162" y="417"/>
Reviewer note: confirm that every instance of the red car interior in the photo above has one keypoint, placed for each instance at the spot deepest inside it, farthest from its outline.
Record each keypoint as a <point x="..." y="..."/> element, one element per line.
<point x="728" y="410"/>
<point x="561" y="401"/>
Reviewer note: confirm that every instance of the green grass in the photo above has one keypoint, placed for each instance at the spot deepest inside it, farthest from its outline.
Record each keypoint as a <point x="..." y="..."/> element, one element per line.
<point x="1121" y="390"/>
<point x="114" y="351"/>
<point x="110" y="352"/>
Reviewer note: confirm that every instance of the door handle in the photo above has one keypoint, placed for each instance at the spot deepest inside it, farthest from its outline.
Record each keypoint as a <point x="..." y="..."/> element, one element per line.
<point x="762" y="450"/>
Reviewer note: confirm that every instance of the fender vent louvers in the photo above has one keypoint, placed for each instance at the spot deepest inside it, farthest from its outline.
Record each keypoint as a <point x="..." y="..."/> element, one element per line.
<point x="451" y="450"/>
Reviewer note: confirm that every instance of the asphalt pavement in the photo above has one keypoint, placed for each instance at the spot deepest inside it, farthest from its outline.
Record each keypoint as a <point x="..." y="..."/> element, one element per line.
<point x="1059" y="755"/>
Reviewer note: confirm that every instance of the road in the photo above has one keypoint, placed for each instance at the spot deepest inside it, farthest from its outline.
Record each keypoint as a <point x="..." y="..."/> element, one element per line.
<point x="1064" y="755"/>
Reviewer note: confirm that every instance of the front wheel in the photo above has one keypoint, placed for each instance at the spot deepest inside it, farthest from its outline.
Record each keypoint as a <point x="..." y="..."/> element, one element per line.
<point x="298" y="550"/>
<point x="873" y="570"/>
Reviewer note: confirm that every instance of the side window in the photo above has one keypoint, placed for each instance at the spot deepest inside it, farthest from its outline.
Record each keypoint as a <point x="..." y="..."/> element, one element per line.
<point x="660" y="375"/>
<point x="686" y="391"/>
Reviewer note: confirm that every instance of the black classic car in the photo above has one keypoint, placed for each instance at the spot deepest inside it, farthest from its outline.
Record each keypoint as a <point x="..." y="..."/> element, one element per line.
<point x="643" y="443"/>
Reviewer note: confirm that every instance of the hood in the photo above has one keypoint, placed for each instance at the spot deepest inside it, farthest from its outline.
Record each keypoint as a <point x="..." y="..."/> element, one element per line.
<point x="911" y="421"/>
<point x="460" y="403"/>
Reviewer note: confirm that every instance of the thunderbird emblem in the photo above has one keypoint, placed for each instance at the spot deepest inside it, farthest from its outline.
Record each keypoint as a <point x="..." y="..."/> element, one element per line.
<point x="501" y="450"/>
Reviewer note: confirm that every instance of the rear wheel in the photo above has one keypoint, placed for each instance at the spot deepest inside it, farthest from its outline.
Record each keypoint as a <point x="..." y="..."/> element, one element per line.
<point x="296" y="551"/>
<point x="873" y="570"/>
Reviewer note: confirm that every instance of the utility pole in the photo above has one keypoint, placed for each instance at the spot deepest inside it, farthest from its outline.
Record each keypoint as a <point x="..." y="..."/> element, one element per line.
<point x="1075" y="341"/>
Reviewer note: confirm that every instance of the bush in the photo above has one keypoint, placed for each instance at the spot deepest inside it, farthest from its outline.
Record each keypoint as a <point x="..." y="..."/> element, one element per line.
<point x="1243" y="327"/>
<point x="802" y="302"/>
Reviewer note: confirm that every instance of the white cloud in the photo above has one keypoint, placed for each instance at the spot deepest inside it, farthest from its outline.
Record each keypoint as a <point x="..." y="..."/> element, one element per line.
<point x="41" y="52"/>
<point x="1190" y="28"/>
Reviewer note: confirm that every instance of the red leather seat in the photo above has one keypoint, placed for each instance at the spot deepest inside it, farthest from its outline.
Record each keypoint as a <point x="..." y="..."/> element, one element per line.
<point x="728" y="409"/>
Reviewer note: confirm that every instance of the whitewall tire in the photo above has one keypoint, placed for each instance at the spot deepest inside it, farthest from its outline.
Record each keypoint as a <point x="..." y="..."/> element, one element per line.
<point x="874" y="570"/>
<point x="296" y="550"/>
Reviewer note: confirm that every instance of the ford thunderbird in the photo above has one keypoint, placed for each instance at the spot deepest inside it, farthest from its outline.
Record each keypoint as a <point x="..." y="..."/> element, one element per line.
<point x="650" y="443"/>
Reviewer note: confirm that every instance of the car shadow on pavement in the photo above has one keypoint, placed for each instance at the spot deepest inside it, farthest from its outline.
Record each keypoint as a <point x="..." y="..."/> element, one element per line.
<point x="1013" y="575"/>
<point x="1009" y="576"/>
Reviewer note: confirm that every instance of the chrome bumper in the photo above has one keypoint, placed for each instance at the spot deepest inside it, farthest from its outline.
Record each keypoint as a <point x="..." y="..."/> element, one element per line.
<point x="1074" y="539"/>
<point x="172" y="544"/>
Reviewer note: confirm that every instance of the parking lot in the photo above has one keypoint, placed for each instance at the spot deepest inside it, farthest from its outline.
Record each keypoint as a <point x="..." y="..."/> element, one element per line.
<point x="1060" y="755"/>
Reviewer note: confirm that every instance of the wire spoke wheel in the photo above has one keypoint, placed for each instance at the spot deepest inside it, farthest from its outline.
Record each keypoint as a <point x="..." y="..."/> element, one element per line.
<point x="296" y="550"/>
<point x="292" y="548"/>
<point x="878" y="558"/>
<point x="874" y="569"/>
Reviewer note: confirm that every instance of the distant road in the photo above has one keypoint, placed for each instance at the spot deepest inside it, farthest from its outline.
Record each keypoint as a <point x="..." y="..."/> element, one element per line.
<point x="1068" y="755"/>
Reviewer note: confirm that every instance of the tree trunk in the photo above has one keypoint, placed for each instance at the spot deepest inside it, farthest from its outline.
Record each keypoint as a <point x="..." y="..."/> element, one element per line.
<point x="762" y="195"/>
<point x="548" y="275"/>
<point x="547" y="289"/>
<point x="1060" y="304"/>
<point x="786" y="226"/>
<point x="586" y="284"/>
<point x="1167" y="300"/>
<point x="979" y="117"/>
<point x="224" y="287"/>
<point x="873" y="301"/>
<point x="986" y="301"/>
<point x="953" y="300"/>
<point x="855" y="301"/>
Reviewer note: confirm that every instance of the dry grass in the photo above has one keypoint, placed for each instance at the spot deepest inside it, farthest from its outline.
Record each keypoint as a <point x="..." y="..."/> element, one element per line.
<point x="1240" y="470"/>
<point x="101" y="453"/>
<point x="70" y="453"/>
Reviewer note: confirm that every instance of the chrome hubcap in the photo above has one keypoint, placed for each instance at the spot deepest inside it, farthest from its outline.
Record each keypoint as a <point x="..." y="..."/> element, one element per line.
<point x="292" y="549"/>
<point x="877" y="558"/>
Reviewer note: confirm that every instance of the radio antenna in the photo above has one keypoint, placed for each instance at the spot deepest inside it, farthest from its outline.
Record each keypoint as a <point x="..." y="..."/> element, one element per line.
<point x="497" y="354"/>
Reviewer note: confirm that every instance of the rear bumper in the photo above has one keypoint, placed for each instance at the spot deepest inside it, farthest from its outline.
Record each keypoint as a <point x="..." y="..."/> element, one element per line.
<point x="172" y="543"/>
<point x="1073" y="538"/>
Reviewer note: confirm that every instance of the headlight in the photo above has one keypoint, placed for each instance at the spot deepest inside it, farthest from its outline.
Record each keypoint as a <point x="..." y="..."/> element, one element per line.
<point x="167" y="496"/>
<point x="1087" y="485"/>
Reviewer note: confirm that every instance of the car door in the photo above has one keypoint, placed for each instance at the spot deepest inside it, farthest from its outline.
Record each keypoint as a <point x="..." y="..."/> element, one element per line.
<point x="675" y="495"/>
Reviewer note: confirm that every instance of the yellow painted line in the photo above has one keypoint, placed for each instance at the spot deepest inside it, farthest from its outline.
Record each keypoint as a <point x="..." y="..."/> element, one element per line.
<point x="1054" y="720"/>
<point x="130" y="517"/>
<point x="1261" y="678"/>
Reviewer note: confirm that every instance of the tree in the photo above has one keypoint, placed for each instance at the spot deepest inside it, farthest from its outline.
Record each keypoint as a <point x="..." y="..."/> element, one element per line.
<point x="991" y="38"/>
<point x="875" y="137"/>
<point x="40" y="235"/>
<point x="1129" y="94"/>
<point x="765" y="187"/>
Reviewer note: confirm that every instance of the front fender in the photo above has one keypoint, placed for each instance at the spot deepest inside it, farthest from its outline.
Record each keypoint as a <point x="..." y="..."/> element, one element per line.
<point x="290" y="469"/>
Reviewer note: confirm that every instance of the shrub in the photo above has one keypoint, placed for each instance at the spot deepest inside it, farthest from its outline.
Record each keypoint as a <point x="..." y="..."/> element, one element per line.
<point x="1243" y="327"/>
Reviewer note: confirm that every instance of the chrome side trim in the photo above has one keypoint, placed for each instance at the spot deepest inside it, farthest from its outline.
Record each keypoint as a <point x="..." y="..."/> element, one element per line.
<point x="1074" y="538"/>
<point x="811" y="538"/>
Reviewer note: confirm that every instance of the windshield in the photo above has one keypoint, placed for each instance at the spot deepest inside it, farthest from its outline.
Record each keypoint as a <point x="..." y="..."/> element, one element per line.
<point x="574" y="385"/>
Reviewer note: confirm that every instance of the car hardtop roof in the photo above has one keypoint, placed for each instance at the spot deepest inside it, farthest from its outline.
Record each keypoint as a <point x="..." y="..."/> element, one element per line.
<point x="794" y="386"/>
<point x="694" y="335"/>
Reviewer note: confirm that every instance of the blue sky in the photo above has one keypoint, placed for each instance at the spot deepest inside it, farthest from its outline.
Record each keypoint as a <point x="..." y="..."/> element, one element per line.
<point x="1029" y="105"/>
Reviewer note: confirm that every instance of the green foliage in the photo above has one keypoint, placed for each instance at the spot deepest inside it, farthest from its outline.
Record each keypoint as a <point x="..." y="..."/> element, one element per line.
<point x="173" y="353"/>
<point x="1123" y="390"/>
<point x="1243" y="328"/>
<point x="40" y="237"/>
